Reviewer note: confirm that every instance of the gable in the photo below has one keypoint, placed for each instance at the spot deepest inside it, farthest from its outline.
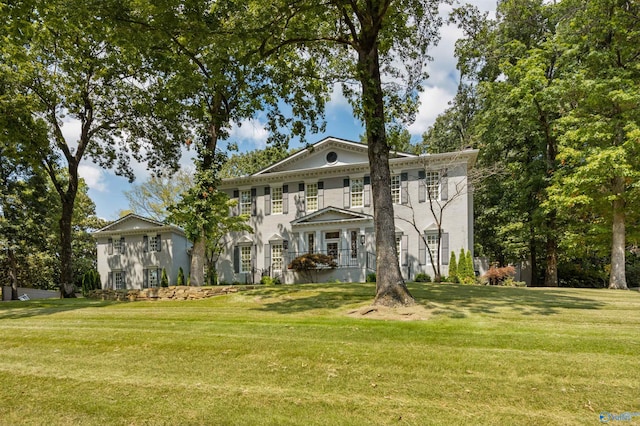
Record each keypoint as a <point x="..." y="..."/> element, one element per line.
<point x="329" y="152"/>
<point x="332" y="215"/>
<point x="135" y="224"/>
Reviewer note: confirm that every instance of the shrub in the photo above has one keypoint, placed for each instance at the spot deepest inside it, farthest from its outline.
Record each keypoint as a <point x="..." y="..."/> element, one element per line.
<point x="453" y="268"/>
<point x="180" y="276"/>
<point x="309" y="263"/>
<point x="497" y="276"/>
<point x="422" y="278"/>
<point x="164" y="281"/>
<point x="90" y="282"/>
<point x="371" y="277"/>
<point x="266" y="280"/>
<point x="276" y="281"/>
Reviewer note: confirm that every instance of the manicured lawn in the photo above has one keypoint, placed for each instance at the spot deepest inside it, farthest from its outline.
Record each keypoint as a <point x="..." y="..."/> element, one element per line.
<point x="291" y="355"/>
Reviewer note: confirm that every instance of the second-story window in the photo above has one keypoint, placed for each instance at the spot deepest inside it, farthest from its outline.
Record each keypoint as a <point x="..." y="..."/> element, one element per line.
<point x="395" y="189"/>
<point x="432" y="182"/>
<point x="276" y="200"/>
<point x="312" y="197"/>
<point x="245" y="202"/>
<point x="357" y="192"/>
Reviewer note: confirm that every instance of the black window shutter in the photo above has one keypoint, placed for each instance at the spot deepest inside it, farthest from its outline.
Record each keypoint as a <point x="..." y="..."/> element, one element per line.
<point x="285" y="199"/>
<point x="159" y="242"/>
<point x="145" y="279"/>
<point x="236" y="259"/>
<point x="122" y="245"/>
<point x="444" y="248"/>
<point x="267" y="201"/>
<point x="254" y="200"/>
<point x="145" y="244"/>
<point x="422" y="186"/>
<point x="404" y="188"/>
<point x="346" y="193"/>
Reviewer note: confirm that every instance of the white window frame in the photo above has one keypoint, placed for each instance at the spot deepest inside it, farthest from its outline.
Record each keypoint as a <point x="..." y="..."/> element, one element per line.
<point x="277" y="258"/>
<point x="276" y="200"/>
<point x="432" y="184"/>
<point x="332" y="241"/>
<point x="311" y="196"/>
<point x="431" y="239"/>
<point x="245" y="202"/>
<point x="153" y="242"/>
<point x="245" y="258"/>
<point x="118" y="280"/>
<point x="357" y="192"/>
<point x="395" y="189"/>
<point x="153" y="283"/>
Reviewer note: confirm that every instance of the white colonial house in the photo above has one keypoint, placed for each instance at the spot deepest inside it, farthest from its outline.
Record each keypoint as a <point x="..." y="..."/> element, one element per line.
<point x="133" y="251"/>
<point x="318" y="200"/>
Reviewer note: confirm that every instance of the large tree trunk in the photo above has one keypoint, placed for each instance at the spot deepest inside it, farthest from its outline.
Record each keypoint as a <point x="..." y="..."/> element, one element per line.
<point x="198" y="261"/>
<point x="13" y="273"/>
<point x="67" y="287"/>
<point x="551" y="268"/>
<point x="390" y="287"/>
<point x="618" y="279"/>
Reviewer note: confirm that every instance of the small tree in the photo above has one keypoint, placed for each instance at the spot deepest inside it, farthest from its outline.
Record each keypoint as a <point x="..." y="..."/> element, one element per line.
<point x="180" y="276"/>
<point x="470" y="269"/>
<point x="164" y="281"/>
<point x="453" y="268"/>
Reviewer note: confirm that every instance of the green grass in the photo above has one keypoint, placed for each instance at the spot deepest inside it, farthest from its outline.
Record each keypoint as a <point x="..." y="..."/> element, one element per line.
<point x="290" y="355"/>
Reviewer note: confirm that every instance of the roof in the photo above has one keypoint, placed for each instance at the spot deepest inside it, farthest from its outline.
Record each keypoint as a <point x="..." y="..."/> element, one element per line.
<point x="331" y="215"/>
<point x="136" y="224"/>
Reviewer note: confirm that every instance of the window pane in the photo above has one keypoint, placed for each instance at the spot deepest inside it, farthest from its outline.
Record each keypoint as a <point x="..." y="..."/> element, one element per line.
<point x="357" y="192"/>
<point x="276" y="257"/>
<point x="245" y="202"/>
<point x="312" y="197"/>
<point x="276" y="200"/>
<point x="395" y="189"/>
<point x="432" y="182"/>
<point x="245" y="258"/>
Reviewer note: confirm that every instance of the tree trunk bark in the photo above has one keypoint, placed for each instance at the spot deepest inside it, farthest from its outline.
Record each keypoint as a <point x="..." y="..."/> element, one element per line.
<point x="67" y="287"/>
<point x="197" y="261"/>
<point x="618" y="279"/>
<point x="13" y="273"/>
<point x="551" y="268"/>
<point x="533" y="256"/>
<point x="390" y="287"/>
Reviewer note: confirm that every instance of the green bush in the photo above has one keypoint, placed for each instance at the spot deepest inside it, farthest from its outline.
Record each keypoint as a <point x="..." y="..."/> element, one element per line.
<point x="266" y="280"/>
<point x="164" y="281"/>
<point x="422" y="278"/>
<point x="309" y="263"/>
<point x="453" y="268"/>
<point x="180" y="276"/>
<point x="90" y="281"/>
<point x="371" y="277"/>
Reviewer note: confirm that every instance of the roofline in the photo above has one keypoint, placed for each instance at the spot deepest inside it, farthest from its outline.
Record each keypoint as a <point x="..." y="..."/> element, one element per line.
<point x="161" y="226"/>
<point x="468" y="156"/>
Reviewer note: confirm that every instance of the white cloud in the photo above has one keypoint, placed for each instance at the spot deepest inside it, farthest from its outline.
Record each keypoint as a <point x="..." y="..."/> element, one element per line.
<point x="94" y="176"/>
<point x="250" y="130"/>
<point x="433" y="101"/>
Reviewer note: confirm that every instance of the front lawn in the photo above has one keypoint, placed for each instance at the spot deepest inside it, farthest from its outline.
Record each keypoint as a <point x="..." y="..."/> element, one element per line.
<point x="293" y="355"/>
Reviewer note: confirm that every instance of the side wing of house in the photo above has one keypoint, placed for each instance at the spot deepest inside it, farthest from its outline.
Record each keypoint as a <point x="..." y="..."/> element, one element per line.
<point x="133" y="251"/>
<point x="319" y="200"/>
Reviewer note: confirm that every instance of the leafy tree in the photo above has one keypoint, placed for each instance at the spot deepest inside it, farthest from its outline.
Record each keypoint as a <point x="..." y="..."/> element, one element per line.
<point x="180" y="280"/>
<point x="598" y="180"/>
<point x="72" y="63"/>
<point x="363" y="43"/>
<point x="309" y="264"/>
<point x="250" y="162"/>
<point x="164" y="280"/>
<point x="154" y="196"/>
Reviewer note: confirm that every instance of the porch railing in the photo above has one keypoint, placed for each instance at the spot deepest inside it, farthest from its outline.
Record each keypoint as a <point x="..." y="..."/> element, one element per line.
<point x="344" y="258"/>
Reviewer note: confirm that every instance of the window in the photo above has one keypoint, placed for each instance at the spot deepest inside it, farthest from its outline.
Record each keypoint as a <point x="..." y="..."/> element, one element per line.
<point x="332" y="243"/>
<point x="432" y="243"/>
<point x="118" y="279"/>
<point x="399" y="246"/>
<point x="312" y="197"/>
<point x="117" y="245"/>
<point x="245" y="258"/>
<point x="395" y="189"/>
<point x="245" y="202"/>
<point x="151" y="243"/>
<point x="276" y="257"/>
<point x="311" y="240"/>
<point x="276" y="200"/>
<point x="432" y="182"/>
<point x="151" y="278"/>
<point x="357" y="192"/>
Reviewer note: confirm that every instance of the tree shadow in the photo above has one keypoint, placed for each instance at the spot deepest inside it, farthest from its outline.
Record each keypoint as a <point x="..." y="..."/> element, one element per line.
<point x="453" y="300"/>
<point x="456" y="299"/>
<point x="40" y="307"/>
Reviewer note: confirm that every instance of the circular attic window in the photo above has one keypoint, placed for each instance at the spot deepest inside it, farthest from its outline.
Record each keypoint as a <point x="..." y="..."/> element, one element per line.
<point x="332" y="157"/>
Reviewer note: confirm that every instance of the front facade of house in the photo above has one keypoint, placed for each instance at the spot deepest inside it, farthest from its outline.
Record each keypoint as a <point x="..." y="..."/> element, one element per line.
<point x="319" y="201"/>
<point x="133" y="251"/>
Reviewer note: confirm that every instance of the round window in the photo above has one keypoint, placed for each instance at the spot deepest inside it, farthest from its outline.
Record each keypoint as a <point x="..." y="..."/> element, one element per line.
<point x="332" y="157"/>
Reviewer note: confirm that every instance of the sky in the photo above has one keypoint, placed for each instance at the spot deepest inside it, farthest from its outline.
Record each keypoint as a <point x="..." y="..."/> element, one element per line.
<point x="107" y="190"/>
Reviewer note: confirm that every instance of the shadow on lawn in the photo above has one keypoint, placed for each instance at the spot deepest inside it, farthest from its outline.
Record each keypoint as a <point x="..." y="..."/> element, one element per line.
<point x="453" y="300"/>
<point x="34" y="308"/>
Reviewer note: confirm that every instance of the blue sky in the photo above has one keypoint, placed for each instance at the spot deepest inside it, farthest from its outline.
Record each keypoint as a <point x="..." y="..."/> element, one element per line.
<point x="107" y="190"/>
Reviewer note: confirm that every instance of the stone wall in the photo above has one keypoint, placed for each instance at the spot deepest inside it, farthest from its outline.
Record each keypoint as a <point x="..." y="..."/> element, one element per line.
<point x="166" y="293"/>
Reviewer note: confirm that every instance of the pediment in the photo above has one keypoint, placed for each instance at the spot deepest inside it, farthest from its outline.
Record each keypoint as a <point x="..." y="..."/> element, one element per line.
<point x="329" y="152"/>
<point x="332" y="215"/>
<point x="132" y="222"/>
